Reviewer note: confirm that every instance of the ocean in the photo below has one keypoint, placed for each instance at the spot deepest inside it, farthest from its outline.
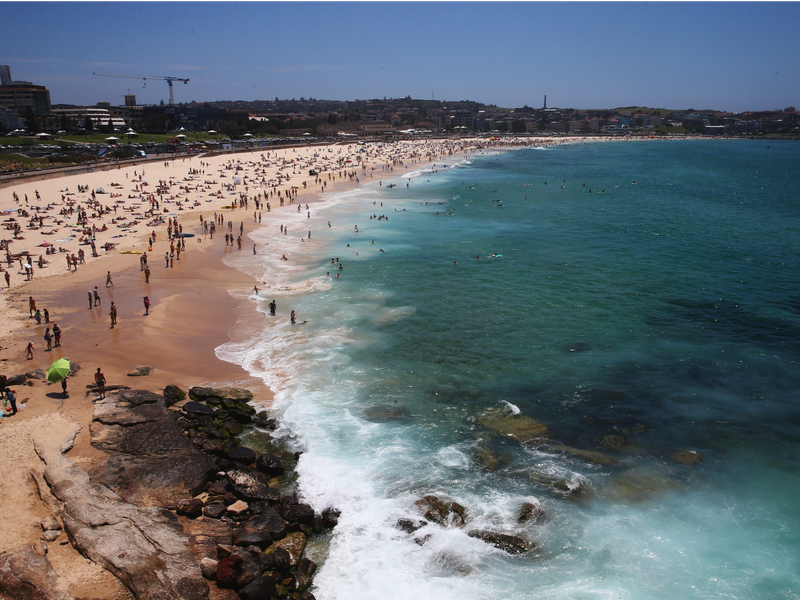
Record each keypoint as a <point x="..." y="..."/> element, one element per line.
<point x="640" y="300"/>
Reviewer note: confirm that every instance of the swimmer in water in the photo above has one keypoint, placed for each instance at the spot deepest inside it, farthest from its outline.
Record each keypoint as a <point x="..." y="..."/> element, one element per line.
<point x="293" y="319"/>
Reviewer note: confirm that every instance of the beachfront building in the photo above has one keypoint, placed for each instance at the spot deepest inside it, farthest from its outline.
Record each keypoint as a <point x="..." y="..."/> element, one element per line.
<point x="21" y="95"/>
<point x="100" y="116"/>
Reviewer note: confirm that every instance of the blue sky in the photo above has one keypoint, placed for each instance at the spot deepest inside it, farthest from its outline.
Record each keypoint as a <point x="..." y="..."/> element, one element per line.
<point x="732" y="56"/>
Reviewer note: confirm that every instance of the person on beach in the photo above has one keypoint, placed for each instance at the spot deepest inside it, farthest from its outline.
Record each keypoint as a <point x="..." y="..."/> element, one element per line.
<point x="90" y="300"/>
<point x="113" y="315"/>
<point x="272" y="307"/>
<point x="56" y="335"/>
<point x="146" y="305"/>
<point x="38" y="316"/>
<point x="108" y="279"/>
<point x="46" y="314"/>
<point x="97" y="301"/>
<point x="147" y="274"/>
<point x="100" y="380"/>
<point x="29" y="351"/>
<point x="8" y="280"/>
<point x="12" y="400"/>
<point x="64" y="387"/>
<point x="31" y="305"/>
<point x="48" y="338"/>
<point x="293" y="318"/>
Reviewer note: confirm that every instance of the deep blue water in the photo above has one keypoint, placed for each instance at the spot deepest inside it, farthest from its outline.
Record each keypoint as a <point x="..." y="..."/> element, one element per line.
<point x="635" y="320"/>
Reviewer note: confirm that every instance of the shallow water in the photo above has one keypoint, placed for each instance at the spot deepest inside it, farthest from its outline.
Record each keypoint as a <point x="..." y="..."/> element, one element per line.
<point x="657" y="317"/>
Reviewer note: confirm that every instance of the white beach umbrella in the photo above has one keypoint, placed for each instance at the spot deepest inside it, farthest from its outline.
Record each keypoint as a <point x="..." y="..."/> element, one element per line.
<point x="111" y="139"/>
<point x="180" y="135"/>
<point x="211" y="131"/>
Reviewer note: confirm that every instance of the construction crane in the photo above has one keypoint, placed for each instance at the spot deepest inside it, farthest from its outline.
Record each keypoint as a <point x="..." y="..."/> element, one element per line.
<point x="169" y="80"/>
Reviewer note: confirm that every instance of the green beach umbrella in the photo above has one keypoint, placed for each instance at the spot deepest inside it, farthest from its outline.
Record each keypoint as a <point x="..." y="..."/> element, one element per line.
<point x="58" y="370"/>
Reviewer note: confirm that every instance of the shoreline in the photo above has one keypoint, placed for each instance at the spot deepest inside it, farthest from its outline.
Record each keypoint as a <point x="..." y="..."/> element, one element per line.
<point x="190" y="315"/>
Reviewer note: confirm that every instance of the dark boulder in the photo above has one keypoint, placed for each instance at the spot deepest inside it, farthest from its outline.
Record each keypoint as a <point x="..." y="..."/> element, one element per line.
<point x="240" y="416"/>
<point x="444" y="513"/>
<point x="531" y="513"/>
<point x="16" y="379"/>
<point x="243" y="455"/>
<point x="173" y="394"/>
<point x="283" y="560"/>
<point x="410" y="525"/>
<point x="228" y="571"/>
<point x="689" y="458"/>
<point x="214" y="511"/>
<point x="252" y="486"/>
<point x="190" y="507"/>
<point x="258" y="589"/>
<point x="296" y="512"/>
<point x="195" y="408"/>
<point x="203" y="393"/>
<point x="507" y="543"/>
<point x="261" y="530"/>
<point x="270" y="465"/>
<point x="212" y="447"/>
<point x="330" y="517"/>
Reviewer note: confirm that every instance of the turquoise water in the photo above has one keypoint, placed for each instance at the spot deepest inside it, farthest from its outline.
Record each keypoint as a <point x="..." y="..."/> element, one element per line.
<point x="660" y="316"/>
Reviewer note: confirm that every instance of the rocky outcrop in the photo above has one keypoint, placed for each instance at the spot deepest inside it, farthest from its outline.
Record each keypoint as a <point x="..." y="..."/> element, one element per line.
<point x="152" y="463"/>
<point x="512" y="544"/>
<point x="26" y="573"/>
<point x="140" y="372"/>
<point x="514" y="426"/>
<point x="441" y="512"/>
<point x="143" y="547"/>
<point x="689" y="458"/>
<point x="216" y="395"/>
<point x="173" y="394"/>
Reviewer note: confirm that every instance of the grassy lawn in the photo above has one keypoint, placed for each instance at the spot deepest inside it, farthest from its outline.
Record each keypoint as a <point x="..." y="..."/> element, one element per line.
<point x="6" y="160"/>
<point x="25" y="141"/>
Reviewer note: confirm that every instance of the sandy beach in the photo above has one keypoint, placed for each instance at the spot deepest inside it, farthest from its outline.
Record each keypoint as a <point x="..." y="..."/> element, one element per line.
<point x="195" y="304"/>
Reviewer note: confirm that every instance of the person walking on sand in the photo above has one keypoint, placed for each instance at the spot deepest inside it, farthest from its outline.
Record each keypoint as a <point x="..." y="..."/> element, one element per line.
<point x="97" y="301"/>
<point x="48" y="338"/>
<point x="147" y="274"/>
<point x="56" y="335"/>
<point x="113" y="315"/>
<point x="29" y="351"/>
<point x="31" y="305"/>
<point x="100" y="380"/>
<point x="146" y="305"/>
<point x="108" y="279"/>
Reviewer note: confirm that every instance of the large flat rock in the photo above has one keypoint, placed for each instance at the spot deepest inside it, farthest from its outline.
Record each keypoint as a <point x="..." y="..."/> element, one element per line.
<point x="151" y="463"/>
<point x="146" y="548"/>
